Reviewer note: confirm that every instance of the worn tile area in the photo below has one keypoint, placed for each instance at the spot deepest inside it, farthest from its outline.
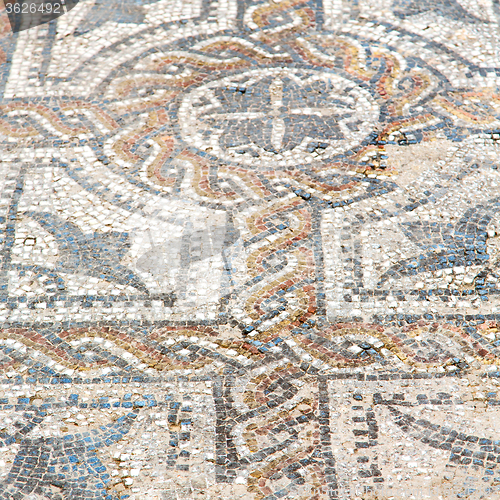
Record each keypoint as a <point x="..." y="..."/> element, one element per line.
<point x="250" y="250"/>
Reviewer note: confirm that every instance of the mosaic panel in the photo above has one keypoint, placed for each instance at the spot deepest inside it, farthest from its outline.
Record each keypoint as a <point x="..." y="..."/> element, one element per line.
<point x="250" y="250"/>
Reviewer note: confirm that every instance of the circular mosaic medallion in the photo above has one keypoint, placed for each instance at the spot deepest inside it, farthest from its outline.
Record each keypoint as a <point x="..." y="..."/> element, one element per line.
<point x="283" y="116"/>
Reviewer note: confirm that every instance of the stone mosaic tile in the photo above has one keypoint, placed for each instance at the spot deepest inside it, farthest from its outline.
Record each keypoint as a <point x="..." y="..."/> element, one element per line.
<point x="250" y="250"/>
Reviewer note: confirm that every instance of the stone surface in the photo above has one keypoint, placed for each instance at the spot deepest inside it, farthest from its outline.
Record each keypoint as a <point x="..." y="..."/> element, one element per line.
<point x="250" y="250"/>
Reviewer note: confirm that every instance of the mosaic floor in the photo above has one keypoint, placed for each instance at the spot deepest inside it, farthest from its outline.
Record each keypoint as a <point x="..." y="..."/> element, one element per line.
<point x="251" y="250"/>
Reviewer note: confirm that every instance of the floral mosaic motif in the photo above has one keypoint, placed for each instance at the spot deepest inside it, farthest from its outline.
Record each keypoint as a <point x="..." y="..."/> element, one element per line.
<point x="449" y="8"/>
<point x="462" y="245"/>
<point x="61" y="468"/>
<point x="269" y="112"/>
<point x="95" y="255"/>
